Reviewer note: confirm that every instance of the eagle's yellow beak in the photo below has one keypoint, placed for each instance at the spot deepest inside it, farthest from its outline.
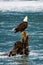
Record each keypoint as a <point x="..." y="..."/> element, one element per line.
<point x="26" y="18"/>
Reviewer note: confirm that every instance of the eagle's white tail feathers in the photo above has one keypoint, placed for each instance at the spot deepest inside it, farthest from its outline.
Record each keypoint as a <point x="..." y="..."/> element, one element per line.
<point x="13" y="29"/>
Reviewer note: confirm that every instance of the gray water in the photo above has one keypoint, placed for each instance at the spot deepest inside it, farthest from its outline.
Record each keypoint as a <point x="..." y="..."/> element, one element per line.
<point x="8" y="20"/>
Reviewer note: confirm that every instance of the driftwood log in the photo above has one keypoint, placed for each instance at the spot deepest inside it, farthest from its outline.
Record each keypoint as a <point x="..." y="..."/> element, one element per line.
<point x="19" y="48"/>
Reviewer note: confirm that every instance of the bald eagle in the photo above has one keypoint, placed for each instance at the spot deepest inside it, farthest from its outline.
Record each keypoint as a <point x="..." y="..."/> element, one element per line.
<point x="22" y="26"/>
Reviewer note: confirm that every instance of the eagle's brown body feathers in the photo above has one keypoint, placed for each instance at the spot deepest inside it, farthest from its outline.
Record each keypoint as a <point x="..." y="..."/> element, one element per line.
<point x="21" y="27"/>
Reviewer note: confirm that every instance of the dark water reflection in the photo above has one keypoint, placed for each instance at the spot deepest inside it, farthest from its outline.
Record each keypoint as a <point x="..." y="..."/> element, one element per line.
<point x="16" y="60"/>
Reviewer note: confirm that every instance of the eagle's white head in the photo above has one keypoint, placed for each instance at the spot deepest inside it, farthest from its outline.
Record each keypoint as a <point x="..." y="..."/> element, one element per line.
<point x="26" y="18"/>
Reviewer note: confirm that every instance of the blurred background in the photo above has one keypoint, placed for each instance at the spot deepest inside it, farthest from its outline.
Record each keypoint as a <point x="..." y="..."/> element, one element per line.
<point x="12" y="13"/>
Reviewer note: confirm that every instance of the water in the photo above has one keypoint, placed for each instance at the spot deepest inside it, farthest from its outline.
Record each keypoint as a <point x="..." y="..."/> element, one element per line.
<point x="10" y="19"/>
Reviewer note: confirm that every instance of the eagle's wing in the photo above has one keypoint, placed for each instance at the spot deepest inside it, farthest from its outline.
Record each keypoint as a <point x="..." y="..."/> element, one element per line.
<point x="21" y="27"/>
